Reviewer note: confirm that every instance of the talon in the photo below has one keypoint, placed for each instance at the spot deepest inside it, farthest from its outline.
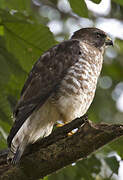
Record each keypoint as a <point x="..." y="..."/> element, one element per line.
<point x="70" y="133"/>
<point x="59" y="125"/>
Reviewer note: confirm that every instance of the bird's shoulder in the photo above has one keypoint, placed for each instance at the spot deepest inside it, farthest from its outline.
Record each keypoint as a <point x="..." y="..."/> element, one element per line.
<point x="56" y="58"/>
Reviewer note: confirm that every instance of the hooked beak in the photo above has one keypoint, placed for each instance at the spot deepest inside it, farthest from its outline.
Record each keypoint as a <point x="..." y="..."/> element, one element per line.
<point x="108" y="41"/>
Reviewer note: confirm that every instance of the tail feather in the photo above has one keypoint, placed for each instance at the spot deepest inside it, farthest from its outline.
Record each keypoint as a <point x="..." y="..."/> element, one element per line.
<point x="17" y="156"/>
<point x="14" y="156"/>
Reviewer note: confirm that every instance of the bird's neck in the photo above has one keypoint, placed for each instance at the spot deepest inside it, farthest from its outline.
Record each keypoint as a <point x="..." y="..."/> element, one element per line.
<point x="93" y="55"/>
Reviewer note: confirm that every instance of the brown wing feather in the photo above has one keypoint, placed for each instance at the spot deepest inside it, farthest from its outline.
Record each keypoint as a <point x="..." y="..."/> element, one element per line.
<point x="43" y="79"/>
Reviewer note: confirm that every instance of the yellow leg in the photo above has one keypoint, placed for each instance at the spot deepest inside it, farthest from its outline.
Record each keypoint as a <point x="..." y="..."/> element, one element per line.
<point x="60" y="124"/>
<point x="70" y="133"/>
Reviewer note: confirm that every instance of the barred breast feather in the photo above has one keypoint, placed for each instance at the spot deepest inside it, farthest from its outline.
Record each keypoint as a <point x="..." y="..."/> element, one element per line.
<point x="78" y="87"/>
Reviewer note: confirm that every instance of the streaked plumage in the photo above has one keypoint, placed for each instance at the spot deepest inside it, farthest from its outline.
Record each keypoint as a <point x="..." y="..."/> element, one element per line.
<point x="61" y="86"/>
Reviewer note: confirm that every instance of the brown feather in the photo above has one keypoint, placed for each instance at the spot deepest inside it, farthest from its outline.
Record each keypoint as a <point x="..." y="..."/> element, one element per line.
<point x="44" y="79"/>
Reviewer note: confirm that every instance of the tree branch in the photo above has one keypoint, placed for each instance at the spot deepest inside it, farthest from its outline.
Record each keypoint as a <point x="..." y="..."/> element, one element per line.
<point x="59" y="150"/>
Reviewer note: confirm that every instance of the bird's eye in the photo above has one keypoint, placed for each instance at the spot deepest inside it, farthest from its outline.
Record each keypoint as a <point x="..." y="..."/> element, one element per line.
<point x="98" y="35"/>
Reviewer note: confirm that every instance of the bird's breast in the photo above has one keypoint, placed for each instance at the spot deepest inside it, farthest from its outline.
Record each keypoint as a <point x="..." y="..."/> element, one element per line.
<point x="77" y="89"/>
<point x="80" y="79"/>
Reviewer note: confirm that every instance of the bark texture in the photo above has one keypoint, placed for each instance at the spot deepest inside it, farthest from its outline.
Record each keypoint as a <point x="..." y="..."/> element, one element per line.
<point x="59" y="150"/>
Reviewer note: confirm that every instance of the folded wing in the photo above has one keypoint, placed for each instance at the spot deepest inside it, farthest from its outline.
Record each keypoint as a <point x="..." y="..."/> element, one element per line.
<point x="43" y="80"/>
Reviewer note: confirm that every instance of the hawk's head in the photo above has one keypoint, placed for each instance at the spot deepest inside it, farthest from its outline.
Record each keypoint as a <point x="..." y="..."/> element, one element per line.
<point x="93" y="36"/>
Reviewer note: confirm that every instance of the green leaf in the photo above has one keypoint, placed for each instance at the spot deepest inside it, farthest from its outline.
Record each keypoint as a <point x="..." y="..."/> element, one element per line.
<point x="14" y="77"/>
<point x="82" y="170"/>
<point x="79" y="7"/>
<point x="18" y="5"/>
<point x="113" y="164"/>
<point x="4" y="71"/>
<point x="9" y="71"/>
<point x="4" y="125"/>
<point x="120" y="2"/>
<point x="2" y="140"/>
<point x="27" y="40"/>
<point x="115" y="71"/>
<point x="96" y="1"/>
<point x="5" y="110"/>
<point x="1" y="30"/>
<point x="118" y="146"/>
<point x="45" y="178"/>
<point x="2" y="4"/>
<point x="120" y="45"/>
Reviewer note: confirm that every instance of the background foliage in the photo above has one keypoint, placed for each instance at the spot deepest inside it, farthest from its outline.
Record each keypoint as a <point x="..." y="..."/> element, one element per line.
<point x="24" y="36"/>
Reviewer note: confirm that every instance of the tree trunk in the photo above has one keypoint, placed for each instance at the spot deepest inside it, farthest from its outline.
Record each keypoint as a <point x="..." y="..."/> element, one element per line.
<point x="59" y="150"/>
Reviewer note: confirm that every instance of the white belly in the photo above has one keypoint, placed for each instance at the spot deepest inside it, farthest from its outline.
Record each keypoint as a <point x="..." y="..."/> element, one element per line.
<point x="38" y="125"/>
<point x="74" y="106"/>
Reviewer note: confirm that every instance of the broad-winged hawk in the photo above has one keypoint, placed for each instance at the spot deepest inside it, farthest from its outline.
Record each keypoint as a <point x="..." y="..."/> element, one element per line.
<point x="60" y="86"/>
